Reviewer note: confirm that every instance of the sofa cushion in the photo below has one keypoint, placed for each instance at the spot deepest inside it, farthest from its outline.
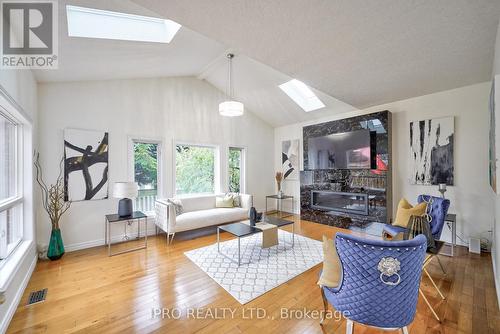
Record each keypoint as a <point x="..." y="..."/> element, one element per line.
<point x="201" y="218"/>
<point x="224" y="201"/>
<point x="406" y="210"/>
<point x="177" y="203"/>
<point x="202" y="202"/>
<point x="236" y="199"/>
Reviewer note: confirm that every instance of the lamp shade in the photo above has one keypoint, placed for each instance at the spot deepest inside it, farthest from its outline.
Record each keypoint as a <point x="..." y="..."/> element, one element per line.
<point x="125" y="190"/>
<point x="231" y="108"/>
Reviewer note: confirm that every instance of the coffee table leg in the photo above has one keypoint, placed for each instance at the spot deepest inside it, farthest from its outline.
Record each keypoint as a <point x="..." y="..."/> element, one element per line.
<point x="293" y="234"/>
<point x="239" y="261"/>
<point x="218" y="247"/>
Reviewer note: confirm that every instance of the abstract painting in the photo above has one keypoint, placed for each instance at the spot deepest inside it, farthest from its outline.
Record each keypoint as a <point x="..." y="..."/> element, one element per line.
<point x="290" y="159"/>
<point x="492" y="148"/>
<point x="431" y="151"/>
<point x="85" y="165"/>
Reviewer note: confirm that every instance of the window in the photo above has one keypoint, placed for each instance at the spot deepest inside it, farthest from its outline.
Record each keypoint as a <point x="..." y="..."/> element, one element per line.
<point x="195" y="168"/>
<point x="302" y="95"/>
<point x="96" y="23"/>
<point x="11" y="229"/>
<point x="236" y="170"/>
<point x="146" y="167"/>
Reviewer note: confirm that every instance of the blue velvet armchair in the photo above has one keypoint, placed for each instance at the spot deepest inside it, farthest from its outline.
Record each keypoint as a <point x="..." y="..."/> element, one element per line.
<point x="380" y="281"/>
<point x="437" y="210"/>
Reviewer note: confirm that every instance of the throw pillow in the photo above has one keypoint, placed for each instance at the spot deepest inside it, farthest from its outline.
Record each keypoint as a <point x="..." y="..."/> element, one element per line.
<point x="236" y="199"/>
<point x="177" y="203"/>
<point x="225" y="201"/>
<point x="406" y="210"/>
<point x="332" y="268"/>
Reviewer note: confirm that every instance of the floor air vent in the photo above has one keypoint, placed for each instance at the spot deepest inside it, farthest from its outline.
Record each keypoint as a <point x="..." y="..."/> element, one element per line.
<point x="37" y="296"/>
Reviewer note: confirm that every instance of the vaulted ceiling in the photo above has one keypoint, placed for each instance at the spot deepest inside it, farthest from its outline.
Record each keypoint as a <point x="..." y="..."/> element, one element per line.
<point x="353" y="54"/>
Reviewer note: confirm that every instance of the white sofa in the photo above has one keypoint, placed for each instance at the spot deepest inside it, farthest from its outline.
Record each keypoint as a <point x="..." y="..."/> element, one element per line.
<point x="198" y="212"/>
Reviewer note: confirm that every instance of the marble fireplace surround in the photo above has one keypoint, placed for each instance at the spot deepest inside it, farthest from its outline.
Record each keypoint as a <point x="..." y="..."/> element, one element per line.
<point x="376" y="184"/>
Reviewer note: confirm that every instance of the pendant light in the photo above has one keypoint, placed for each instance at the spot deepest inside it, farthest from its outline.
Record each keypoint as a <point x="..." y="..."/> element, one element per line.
<point x="230" y="108"/>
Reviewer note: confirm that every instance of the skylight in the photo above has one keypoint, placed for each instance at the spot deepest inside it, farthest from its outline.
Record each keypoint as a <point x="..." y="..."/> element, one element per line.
<point x="302" y="95"/>
<point x="96" y="23"/>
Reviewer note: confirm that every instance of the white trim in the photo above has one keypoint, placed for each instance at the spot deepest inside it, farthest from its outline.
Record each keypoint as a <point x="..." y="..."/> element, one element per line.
<point x="217" y="166"/>
<point x="17" y="298"/>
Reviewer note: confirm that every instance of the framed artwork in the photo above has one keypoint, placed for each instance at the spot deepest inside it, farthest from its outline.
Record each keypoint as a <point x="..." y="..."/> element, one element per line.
<point x="85" y="165"/>
<point x="492" y="139"/>
<point x="431" y="151"/>
<point x="290" y="159"/>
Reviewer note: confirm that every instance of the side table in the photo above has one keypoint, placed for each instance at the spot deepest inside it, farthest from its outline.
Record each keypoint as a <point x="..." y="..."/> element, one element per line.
<point x="136" y="216"/>
<point x="279" y="204"/>
<point x="451" y="221"/>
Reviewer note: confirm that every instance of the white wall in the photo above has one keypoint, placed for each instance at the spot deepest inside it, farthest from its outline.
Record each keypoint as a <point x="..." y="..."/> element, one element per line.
<point x="469" y="197"/>
<point x="184" y="109"/>
<point x="20" y="85"/>
<point x="495" y="251"/>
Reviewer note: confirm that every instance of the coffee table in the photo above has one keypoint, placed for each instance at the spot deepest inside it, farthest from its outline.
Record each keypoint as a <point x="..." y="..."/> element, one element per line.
<point x="241" y="230"/>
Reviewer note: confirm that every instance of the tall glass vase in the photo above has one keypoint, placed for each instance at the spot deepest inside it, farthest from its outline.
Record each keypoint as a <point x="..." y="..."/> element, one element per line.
<point x="56" y="246"/>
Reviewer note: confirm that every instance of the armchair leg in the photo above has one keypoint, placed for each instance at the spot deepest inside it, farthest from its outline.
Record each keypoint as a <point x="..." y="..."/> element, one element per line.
<point x="349" y="327"/>
<point x="325" y="306"/>
<point x="405" y="330"/>
<point x="434" y="283"/>
<point x="429" y="305"/>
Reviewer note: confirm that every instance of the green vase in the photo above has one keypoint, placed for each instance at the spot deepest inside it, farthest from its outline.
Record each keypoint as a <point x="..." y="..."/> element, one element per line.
<point x="56" y="246"/>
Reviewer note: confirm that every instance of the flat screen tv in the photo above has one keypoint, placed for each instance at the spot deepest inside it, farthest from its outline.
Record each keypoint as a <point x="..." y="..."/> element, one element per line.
<point x="347" y="150"/>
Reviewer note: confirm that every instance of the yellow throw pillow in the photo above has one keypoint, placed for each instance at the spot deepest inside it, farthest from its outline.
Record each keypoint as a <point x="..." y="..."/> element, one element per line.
<point x="406" y="210"/>
<point x="226" y="201"/>
<point x="332" y="268"/>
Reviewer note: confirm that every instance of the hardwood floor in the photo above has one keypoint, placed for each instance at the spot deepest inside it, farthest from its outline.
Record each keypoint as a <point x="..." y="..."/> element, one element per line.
<point x="89" y="292"/>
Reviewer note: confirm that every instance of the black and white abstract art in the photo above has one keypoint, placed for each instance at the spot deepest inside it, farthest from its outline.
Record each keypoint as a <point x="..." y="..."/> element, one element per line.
<point x="431" y="151"/>
<point x="290" y="159"/>
<point x="85" y="165"/>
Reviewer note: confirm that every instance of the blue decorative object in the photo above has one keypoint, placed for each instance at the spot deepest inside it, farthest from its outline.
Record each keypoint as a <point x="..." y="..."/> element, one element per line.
<point x="253" y="216"/>
<point x="380" y="281"/>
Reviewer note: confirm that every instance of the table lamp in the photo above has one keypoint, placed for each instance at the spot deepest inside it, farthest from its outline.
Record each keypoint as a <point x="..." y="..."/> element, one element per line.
<point x="442" y="189"/>
<point x="125" y="191"/>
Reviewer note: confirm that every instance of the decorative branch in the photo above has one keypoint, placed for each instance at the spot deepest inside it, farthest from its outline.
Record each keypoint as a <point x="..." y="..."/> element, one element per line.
<point x="53" y="195"/>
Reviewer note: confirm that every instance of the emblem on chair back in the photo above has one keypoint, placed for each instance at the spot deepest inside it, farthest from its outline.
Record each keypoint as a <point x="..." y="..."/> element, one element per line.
<point x="388" y="267"/>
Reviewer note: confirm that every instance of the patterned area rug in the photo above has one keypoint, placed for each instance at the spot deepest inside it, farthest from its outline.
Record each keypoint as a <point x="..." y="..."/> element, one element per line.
<point x="261" y="269"/>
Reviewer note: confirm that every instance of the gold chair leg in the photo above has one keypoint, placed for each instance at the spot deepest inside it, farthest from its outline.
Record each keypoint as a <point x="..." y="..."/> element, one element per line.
<point x="434" y="283"/>
<point x="325" y="306"/>
<point x="429" y="305"/>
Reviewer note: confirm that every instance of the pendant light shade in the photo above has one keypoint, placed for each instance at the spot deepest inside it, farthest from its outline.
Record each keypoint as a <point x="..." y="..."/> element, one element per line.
<point x="231" y="108"/>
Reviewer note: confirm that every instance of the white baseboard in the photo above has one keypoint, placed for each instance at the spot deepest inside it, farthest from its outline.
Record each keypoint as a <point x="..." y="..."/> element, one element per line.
<point x="100" y="242"/>
<point x="17" y="299"/>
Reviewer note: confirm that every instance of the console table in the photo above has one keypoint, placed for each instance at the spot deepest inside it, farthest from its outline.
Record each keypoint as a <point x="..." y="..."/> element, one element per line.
<point x="136" y="216"/>
<point x="279" y="204"/>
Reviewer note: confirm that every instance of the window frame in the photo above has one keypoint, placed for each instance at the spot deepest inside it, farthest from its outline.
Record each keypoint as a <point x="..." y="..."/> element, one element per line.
<point x="16" y="201"/>
<point x="217" y="178"/>
<point x="243" y="167"/>
<point x="131" y="162"/>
